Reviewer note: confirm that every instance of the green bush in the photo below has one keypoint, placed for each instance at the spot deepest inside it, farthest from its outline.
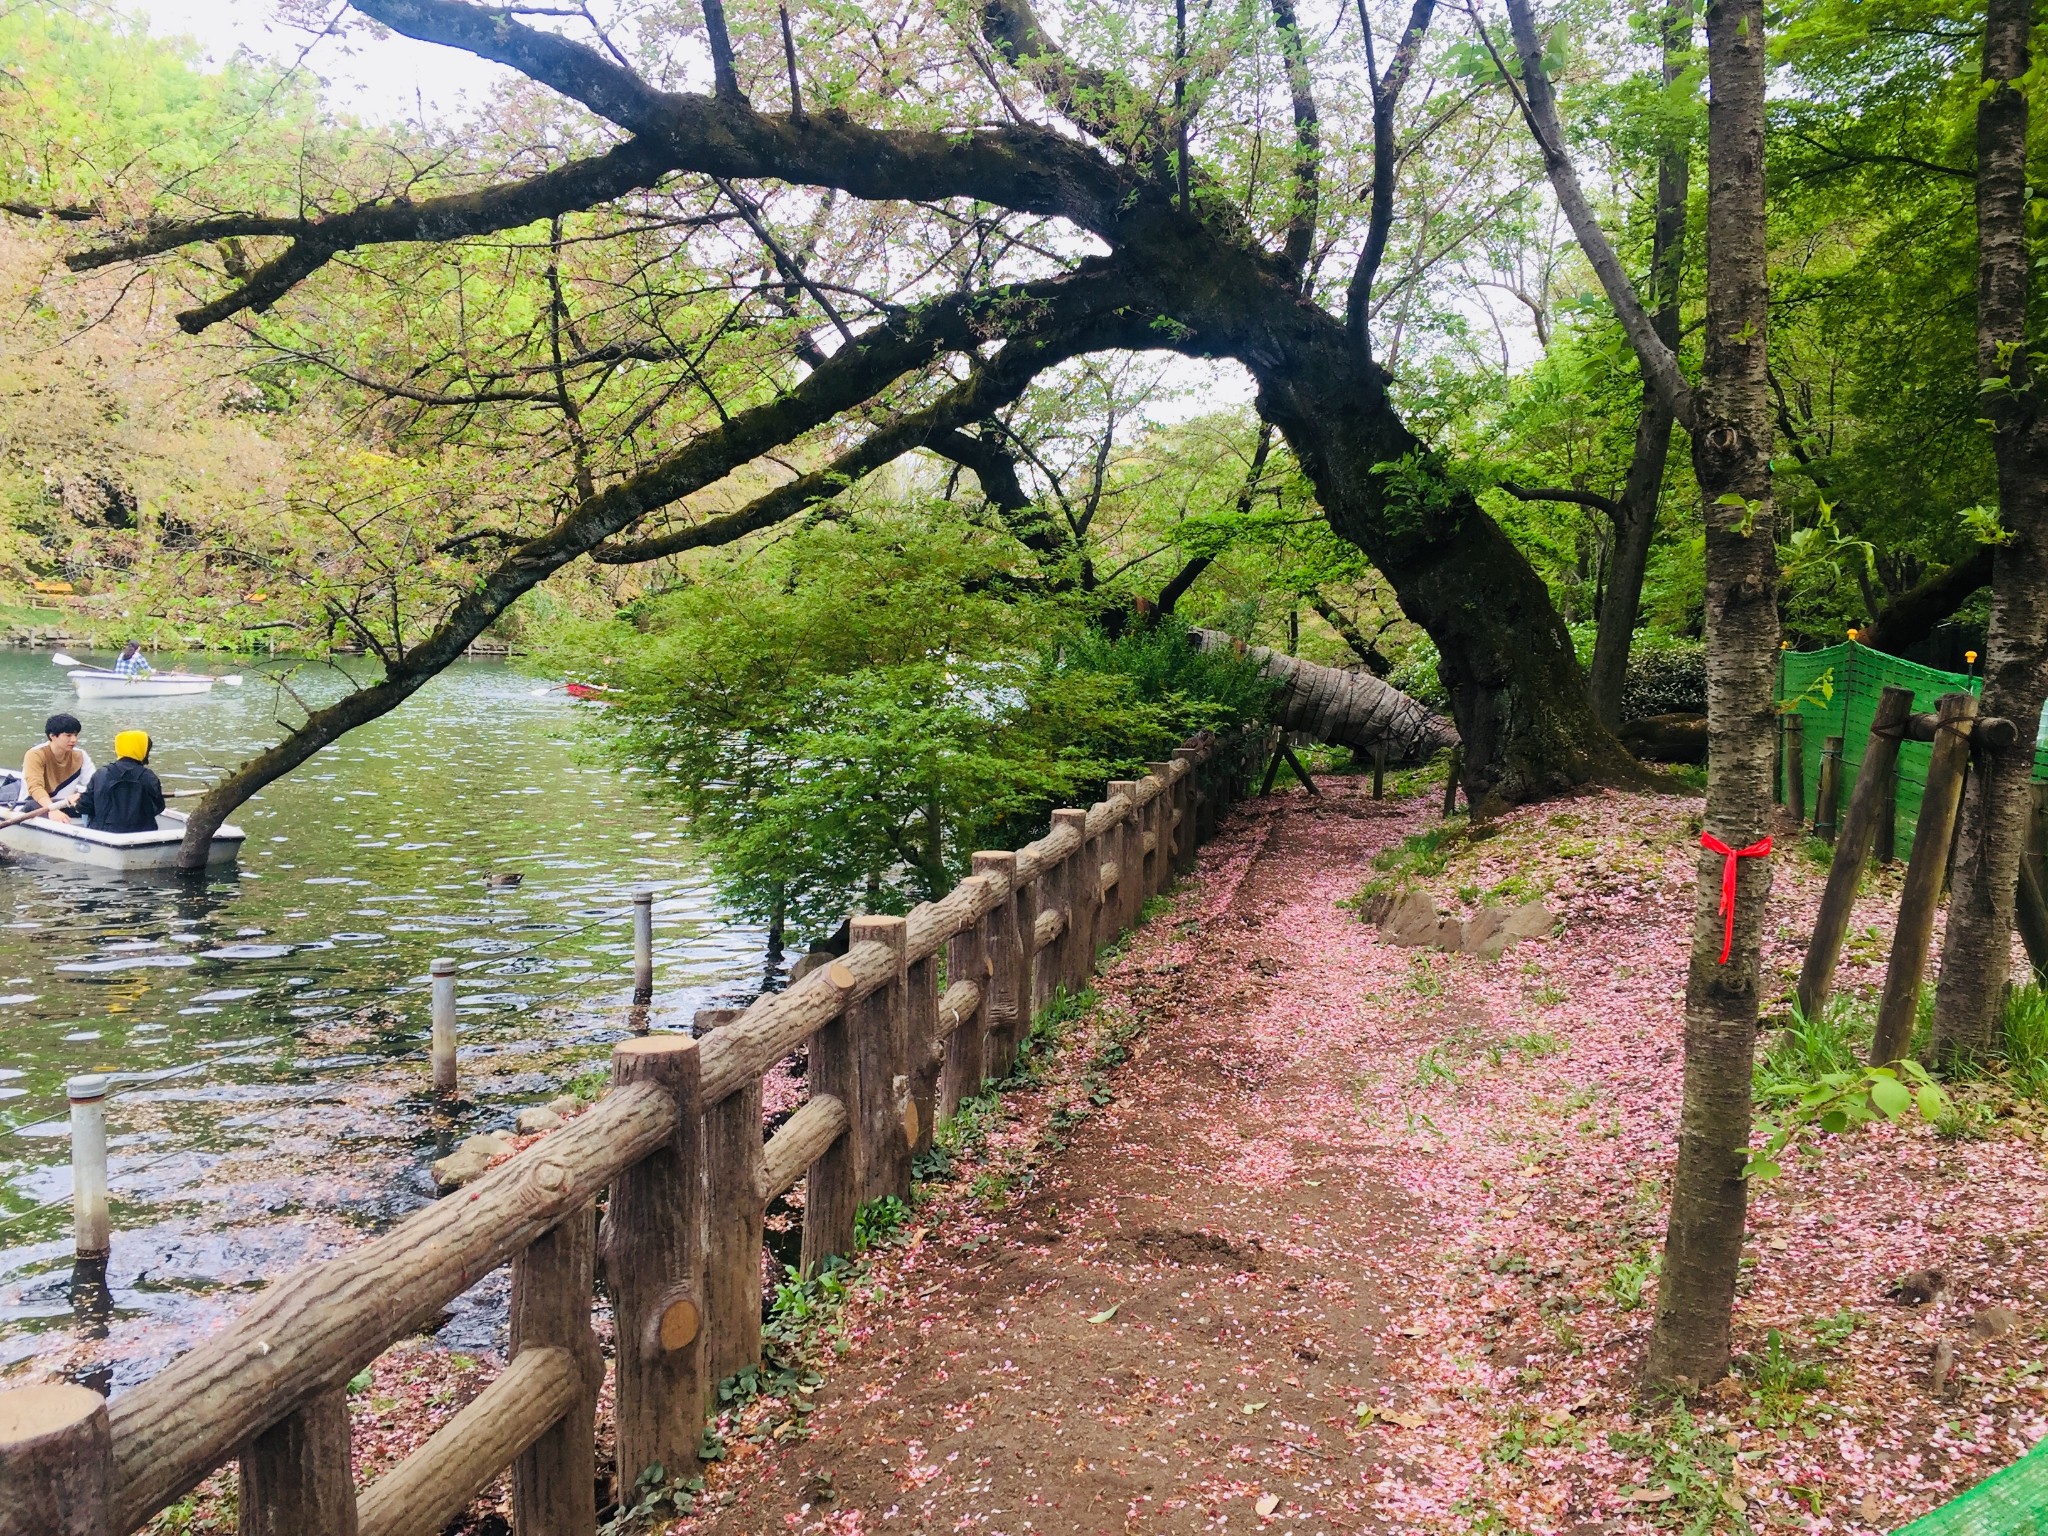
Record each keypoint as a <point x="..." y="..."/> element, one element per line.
<point x="1665" y="678"/>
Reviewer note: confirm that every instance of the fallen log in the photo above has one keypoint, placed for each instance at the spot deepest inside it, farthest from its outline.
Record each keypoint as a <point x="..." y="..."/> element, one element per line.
<point x="1344" y="709"/>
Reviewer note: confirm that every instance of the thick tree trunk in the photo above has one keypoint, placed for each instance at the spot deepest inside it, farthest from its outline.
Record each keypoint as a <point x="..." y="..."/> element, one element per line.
<point x="1345" y="709"/>
<point x="1977" y="948"/>
<point x="1731" y="443"/>
<point x="1635" y="521"/>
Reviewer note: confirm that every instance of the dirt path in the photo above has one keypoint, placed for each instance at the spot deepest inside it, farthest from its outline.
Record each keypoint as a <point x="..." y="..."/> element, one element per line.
<point x="1365" y="1238"/>
<point x="1178" y="1319"/>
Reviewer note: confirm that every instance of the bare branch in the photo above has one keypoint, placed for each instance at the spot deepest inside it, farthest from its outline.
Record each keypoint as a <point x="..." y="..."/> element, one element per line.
<point x="1308" y="143"/>
<point x="1386" y="96"/>
<point x="1578" y="498"/>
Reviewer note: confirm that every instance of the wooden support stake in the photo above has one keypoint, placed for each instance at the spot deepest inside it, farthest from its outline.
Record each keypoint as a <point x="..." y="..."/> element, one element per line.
<point x="1795" y="768"/>
<point x="1886" y="847"/>
<point x="1827" y="799"/>
<point x="554" y="1480"/>
<point x="653" y="1247"/>
<point x="1379" y="770"/>
<point x="56" y="1454"/>
<point x="1451" y="782"/>
<point x="441" y="984"/>
<point x="1900" y="1002"/>
<point x="732" y="1264"/>
<point x="966" y="960"/>
<point x="832" y="1187"/>
<point x="1275" y="743"/>
<point x="1859" y="829"/>
<point x="1300" y="772"/>
<point x="881" y="1040"/>
<point x="1008" y="975"/>
<point x="298" y="1478"/>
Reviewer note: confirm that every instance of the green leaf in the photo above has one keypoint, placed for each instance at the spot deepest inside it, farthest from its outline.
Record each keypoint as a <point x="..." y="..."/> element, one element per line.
<point x="1932" y="1101"/>
<point x="1103" y="1317"/>
<point x="1763" y="1169"/>
<point x="1891" y="1097"/>
<point x="1835" y="1121"/>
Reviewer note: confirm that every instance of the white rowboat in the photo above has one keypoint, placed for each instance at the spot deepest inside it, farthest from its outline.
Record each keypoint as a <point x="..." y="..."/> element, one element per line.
<point x="122" y="851"/>
<point x="96" y="683"/>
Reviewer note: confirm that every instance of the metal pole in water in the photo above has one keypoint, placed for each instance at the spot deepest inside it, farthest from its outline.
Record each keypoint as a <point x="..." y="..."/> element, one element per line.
<point x="93" y="1231"/>
<point x="442" y="972"/>
<point x="643" y="942"/>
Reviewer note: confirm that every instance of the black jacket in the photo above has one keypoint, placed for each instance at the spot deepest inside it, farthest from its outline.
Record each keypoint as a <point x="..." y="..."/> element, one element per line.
<point x="124" y="796"/>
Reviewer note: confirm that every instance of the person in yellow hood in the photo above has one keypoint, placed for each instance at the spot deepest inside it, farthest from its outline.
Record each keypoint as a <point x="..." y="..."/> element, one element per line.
<point x="124" y="796"/>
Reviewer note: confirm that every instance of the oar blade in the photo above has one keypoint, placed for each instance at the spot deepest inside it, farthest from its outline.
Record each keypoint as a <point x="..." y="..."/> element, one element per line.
<point x="61" y="660"/>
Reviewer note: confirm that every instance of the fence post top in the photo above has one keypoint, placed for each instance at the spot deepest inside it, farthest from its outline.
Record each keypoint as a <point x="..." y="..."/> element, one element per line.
<point x="879" y="928"/>
<point x="1070" y="816"/>
<point x="995" y="858"/>
<point x="86" y="1088"/>
<point x="643" y="895"/>
<point x="442" y="966"/>
<point x="30" y="1413"/>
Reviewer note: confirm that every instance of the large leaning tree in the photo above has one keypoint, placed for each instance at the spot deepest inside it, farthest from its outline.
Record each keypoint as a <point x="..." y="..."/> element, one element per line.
<point x="1061" y="197"/>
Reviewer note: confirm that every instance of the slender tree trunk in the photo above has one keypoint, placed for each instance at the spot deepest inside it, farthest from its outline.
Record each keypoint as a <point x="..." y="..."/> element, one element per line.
<point x="1689" y="1344"/>
<point x="1977" y="948"/>
<point x="1635" y="522"/>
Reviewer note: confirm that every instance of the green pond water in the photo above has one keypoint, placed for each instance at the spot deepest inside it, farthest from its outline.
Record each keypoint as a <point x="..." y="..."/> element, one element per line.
<point x="266" y="1025"/>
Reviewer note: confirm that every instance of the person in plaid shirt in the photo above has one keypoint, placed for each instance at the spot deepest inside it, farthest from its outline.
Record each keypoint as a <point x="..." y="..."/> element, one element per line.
<point x="132" y="663"/>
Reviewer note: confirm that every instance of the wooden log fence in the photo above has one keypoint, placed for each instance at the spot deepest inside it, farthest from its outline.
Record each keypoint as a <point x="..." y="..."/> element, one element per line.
<point x="675" y="1151"/>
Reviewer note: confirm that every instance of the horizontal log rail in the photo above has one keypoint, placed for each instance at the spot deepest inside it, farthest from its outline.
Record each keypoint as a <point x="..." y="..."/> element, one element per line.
<point x="677" y="1142"/>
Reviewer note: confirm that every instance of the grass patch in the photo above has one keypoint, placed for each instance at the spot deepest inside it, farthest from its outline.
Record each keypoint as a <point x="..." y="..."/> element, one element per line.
<point x="1807" y="1049"/>
<point x="2026" y="1040"/>
<point x="1422" y="856"/>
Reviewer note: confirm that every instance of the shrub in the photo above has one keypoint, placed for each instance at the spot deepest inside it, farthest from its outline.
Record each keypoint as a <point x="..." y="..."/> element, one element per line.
<point x="1665" y="678"/>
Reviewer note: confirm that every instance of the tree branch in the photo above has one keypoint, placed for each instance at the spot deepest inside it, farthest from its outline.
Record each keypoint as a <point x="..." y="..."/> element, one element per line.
<point x="1386" y="95"/>
<point x="1539" y="109"/>
<point x="1591" y="499"/>
<point x="1308" y="142"/>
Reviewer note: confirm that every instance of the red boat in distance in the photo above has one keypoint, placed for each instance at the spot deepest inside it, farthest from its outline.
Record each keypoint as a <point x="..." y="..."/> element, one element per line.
<point x="592" y="691"/>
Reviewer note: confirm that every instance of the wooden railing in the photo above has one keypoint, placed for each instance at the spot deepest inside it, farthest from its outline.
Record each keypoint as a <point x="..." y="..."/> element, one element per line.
<point x="677" y="1141"/>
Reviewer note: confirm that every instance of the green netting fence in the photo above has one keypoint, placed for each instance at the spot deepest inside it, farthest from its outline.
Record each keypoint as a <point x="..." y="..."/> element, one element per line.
<point x="2009" y="1503"/>
<point x="1836" y="695"/>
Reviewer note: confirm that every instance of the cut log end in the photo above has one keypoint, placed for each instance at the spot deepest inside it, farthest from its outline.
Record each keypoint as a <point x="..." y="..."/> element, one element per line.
<point x="676" y="1325"/>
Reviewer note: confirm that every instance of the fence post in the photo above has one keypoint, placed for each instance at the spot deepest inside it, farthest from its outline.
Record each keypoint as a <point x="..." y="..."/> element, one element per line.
<point x="298" y="1478"/>
<point x="1795" y="768"/>
<point x="967" y="960"/>
<point x="56" y="1457"/>
<point x="1007" y="976"/>
<point x="881" y="1043"/>
<point x="554" y="1478"/>
<point x="643" y="943"/>
<point x="1827" y="800"/>
<point x="921" y="1024"/>
<point x="832" y="1186"/>
<point x="91" y="1227"/>
<point x="1866" y="801"/>
<point x="1900" y="1002"/>
<point x="653" y="1240"/>
<point x="1083" y="896"/>
<point x="1187" y="827"/>
<point x="1159" y="862"/>
<point x="734" y="1212"/>
<point x="441" y="986"/>
<point x="1128" y="841"/>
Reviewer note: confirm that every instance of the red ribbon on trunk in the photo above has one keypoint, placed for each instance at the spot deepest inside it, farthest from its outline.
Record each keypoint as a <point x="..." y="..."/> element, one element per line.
<point x="1755" y="850"/>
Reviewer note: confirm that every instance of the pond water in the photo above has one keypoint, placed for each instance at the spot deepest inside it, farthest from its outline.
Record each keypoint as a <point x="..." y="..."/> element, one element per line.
<point x="266" y="1026"/>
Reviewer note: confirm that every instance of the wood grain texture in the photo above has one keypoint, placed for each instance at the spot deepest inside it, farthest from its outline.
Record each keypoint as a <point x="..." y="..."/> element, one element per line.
<point x="55" y="1457"/>
<point x="653" y="1246"/>
<point x="967" y="965"/>
<point x="832" y="1187"/>
<point x="921" y="1009"/>
<point x="1008" y="975"/>
<point x="880" y="1032"/>
<point x="323" y="1324"/>
<point x="554" y="1480"/>
<point x="437" y="1482"/>
<point x="298" y="1478"/>
<point x="732" y="1269"/>
<point x="800" y="1142"/>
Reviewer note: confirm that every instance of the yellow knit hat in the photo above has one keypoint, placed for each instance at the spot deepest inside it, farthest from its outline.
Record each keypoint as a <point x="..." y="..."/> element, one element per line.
<point x="133" y="744"/>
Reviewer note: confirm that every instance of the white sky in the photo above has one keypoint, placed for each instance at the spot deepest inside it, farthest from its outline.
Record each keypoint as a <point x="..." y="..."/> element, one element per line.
<point x="377" y="78"/>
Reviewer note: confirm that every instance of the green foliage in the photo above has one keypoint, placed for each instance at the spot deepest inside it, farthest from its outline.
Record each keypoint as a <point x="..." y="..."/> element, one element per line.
<point x="847" y="716"/>
<point x="1813" y="1081"/>
<point x="1631" y="1279"/>
<point x="878" y="1222"/>
<point x="1665" y="677"/>
<point x="1417" y="857"/>
<point x="657" y="1499"/>
<point x="2026" y="1039"/>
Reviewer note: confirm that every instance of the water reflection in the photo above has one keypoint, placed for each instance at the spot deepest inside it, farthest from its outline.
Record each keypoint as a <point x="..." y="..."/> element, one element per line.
<point x="265" y="1026"/>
